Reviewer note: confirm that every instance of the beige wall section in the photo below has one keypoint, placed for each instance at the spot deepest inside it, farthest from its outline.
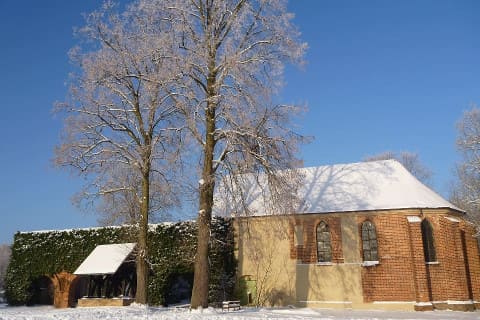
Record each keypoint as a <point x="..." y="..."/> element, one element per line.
<point x="350" y="239"/>
<point x="263" y="254"/>
<point x="263" y="249"/>
<point x="333" y="284"/>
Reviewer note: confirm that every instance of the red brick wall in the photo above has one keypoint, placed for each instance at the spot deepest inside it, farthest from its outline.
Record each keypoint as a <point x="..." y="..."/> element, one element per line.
<point x="393" y="278"/>
<point x="307" y="253"/>
<point x="419" y="268"/>
<point x="473" y="254"/>
<point x="402" y="274"/>
<point x="448" y="277"/>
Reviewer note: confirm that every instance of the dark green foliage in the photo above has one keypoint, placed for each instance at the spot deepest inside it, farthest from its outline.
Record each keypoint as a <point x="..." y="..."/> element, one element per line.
<point x="222" y="262"/>
<point x="171" y="251"/>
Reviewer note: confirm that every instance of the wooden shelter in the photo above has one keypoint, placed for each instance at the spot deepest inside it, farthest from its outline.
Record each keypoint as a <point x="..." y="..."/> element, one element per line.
<point x="108" y="275"/>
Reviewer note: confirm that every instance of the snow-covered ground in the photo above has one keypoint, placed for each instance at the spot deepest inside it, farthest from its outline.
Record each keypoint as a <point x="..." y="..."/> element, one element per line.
<point x="140" y="312"/>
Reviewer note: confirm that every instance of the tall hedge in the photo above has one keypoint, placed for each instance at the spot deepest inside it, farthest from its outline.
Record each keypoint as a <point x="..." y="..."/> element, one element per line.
<point x="171" y="251"/>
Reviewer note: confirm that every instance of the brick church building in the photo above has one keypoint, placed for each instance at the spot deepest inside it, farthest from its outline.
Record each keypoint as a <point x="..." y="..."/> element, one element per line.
<point x="365" y="235"/>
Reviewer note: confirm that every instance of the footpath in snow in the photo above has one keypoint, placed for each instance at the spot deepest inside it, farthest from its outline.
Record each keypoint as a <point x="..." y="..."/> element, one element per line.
<point x="151" y="313"/>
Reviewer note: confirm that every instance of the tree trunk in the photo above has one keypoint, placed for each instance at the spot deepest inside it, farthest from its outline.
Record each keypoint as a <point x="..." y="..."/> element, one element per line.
<point x="142" y="267"/>
<point x="207" y="186"/>
<point x="201" y="270"/>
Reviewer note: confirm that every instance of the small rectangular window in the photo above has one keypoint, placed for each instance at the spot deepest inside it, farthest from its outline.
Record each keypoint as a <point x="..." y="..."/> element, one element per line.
<point x="299" y="235"/>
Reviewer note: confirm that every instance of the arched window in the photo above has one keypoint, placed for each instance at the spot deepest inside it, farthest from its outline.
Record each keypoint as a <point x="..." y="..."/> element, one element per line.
<point x="428" y="244"/>
<point x="369" y="242"/>
<point x="324" y="243"/>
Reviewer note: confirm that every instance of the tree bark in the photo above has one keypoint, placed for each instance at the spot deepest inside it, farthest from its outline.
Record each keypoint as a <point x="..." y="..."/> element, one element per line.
<point x="201" y="269"/>
<point x="142" y="267"/>
<point x="207" y="187"/>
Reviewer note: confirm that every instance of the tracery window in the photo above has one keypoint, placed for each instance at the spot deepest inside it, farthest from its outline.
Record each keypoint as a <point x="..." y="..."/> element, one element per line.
<point x="428" y="241"/>
<point x="324" y="243"/>
<point x="369" y="242"/>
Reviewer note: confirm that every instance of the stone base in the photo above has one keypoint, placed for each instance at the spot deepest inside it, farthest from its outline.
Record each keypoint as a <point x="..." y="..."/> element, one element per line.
<point x="424" y="306"/>
<point x="351" y="305"/>
<point x="104" y="302"/>
<point x="394" y="306"/>
<point x="455" y="305"/>
<point x="325" y="305"/>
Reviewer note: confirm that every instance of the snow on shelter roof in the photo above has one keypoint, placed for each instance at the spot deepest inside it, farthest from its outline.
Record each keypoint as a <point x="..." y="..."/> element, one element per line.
<point x="105" y="259"/>
<point x="363" y="186"/>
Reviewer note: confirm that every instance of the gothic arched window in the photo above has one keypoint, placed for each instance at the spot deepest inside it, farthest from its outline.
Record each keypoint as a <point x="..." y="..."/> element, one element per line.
<point x="369" y="242"/>
<point x="428" y="243"/>
<point x="324" y="243"/>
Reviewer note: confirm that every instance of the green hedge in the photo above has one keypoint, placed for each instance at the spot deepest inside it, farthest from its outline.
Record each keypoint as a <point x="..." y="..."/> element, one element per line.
<point x="171" y="251"/>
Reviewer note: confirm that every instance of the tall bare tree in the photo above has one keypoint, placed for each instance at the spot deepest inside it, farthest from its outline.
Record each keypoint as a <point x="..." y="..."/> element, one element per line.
<point x="411" y="161"/>
<point x="121" y="129"/>
<point x="232" y="56"/>
<point x="466" y="191"/>
<point x="217" y="63"/>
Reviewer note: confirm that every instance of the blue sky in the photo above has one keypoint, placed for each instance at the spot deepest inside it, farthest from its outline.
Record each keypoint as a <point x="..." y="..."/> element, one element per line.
<point x="381" y="75"/>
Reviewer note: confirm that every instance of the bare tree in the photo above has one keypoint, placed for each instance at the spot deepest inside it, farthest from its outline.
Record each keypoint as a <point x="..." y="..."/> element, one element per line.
<point x="466" y="191"/>
<point x="121" y="129"/>
<point x="123" y="206"/>
<point x="217" y="63"/>
<point x="411" y="161"/>
<point x="232" y="55"/>
<point x="4" y="260"/>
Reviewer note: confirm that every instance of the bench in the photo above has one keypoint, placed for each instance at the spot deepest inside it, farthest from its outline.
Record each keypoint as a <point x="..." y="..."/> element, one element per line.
<point x="230" y="305"/>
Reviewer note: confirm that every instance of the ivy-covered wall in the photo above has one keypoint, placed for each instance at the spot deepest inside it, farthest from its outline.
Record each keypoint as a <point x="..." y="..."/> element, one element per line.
<point x="171" y="252"/>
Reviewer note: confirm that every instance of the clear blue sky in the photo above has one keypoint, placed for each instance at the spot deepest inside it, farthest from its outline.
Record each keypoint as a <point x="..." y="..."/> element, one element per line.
<point x="381" y="75"/>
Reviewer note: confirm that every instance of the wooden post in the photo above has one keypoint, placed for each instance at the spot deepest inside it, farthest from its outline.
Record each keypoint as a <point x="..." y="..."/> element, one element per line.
<point x="63" y="289"/>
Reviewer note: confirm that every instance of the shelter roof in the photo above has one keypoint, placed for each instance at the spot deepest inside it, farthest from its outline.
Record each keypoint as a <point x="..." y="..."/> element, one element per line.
<point x="105" y="259"/>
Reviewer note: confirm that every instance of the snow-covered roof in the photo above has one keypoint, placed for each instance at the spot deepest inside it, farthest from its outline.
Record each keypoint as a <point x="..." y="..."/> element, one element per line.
<point x="105" y="259"/>
<point x="363" y="186"/>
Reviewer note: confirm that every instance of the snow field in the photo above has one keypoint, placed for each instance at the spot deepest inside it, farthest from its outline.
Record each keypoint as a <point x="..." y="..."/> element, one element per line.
<point x="151" y="313"/>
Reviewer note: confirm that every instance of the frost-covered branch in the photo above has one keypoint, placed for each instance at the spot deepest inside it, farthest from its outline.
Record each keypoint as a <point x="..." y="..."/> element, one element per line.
<point x="465" y="192"/>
